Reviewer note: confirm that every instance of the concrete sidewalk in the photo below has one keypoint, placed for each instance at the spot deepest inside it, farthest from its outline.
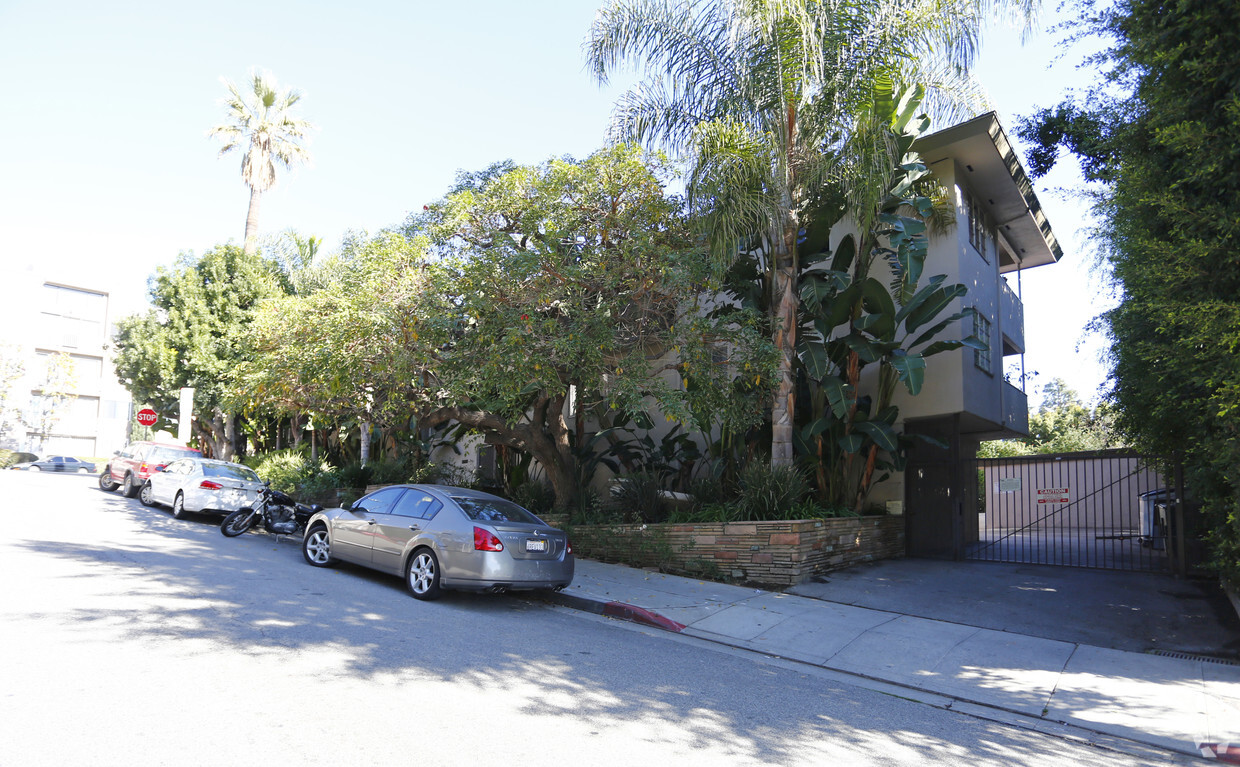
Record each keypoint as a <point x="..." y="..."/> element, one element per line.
<point x="1187" y="705"/>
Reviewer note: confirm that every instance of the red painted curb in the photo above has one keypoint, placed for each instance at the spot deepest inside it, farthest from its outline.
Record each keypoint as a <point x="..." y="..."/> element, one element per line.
<point x="641" y="615"/>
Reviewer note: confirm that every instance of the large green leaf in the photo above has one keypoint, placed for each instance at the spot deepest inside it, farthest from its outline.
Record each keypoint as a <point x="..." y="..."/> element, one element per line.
<point x="934" y="330"/>
<point x="845" y="254"/>
<point x="837" y="394"/>
<point x="920" y="296"/>
<point x="936" y="302"/>
<point x="817" y="363"/>
<point x="911" y="369"/>
<point x="882" y="434"/>
<point x="851" y="443"/>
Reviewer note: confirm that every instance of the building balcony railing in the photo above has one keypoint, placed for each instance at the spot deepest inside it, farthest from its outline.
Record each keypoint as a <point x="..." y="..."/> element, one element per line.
<point x="1015" y="409"/>
<point x="1011" y="318"/>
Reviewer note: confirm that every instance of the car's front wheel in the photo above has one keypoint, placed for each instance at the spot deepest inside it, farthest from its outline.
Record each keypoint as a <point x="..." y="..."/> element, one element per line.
<point x="106" y="483"/>
<point x="146" y="494"/>
<point x="35" y="468"/>
<point x="316" y="547"/>
<point x="178" y="506"/>
<point x="422" y="575"/>
<point x="129" y="488"/>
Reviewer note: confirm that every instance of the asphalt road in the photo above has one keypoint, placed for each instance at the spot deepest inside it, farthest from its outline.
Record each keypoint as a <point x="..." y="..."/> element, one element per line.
<point x="128" y="637"/>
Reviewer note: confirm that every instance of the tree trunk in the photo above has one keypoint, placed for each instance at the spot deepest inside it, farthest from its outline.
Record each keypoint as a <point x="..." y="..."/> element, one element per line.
<point x="251" y="221"/>
<point x="783" y="407"/>
<point x="364" y="447"/>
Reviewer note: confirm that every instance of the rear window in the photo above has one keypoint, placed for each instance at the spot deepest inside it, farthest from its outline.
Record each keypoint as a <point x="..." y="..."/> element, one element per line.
<point x="495" y="510"/>
<point x="169" y="454"/>
<point x="231" y="472"/>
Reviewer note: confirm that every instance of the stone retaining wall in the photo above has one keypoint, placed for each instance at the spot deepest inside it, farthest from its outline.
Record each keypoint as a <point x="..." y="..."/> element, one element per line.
<point x="780" y="553"/>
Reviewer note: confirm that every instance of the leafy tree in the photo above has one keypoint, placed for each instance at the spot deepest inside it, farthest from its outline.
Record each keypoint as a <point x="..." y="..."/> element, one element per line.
<point x="55" y="393"/>
<point x="193" y="337"/>
<point x="574" y="288"/>
<point x="761" y="98"/>
<point x="263" y="121"/>
<point x="1158" y="134"/>
<point x="350" y="352"/>
<point x="1062" y="424"/>
<point x="11" y="370"/>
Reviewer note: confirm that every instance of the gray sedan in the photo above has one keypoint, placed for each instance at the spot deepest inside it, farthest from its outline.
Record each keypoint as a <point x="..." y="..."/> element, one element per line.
<point x="443" y="538"/>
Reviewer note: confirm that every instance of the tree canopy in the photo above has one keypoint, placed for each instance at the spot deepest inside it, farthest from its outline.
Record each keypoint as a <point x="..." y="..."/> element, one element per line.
<point x="1160" y="134"/>
<point x="192" y="336"/>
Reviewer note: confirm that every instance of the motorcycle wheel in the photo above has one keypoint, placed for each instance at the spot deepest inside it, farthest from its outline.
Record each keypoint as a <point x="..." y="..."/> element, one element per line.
<point x="237" y="523"/>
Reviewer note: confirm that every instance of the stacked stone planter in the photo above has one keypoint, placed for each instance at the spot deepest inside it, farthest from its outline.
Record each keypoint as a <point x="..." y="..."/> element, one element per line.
<point x="782" y="553"/>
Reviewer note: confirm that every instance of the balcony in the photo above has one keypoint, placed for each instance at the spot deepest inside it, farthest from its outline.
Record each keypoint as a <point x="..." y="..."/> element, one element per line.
<point x="1015" y="409"/>
<point x="1011" y="320"/>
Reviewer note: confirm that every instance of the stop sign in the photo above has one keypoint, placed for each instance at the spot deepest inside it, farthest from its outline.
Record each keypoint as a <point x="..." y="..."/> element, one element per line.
<point x="147" y="417"/>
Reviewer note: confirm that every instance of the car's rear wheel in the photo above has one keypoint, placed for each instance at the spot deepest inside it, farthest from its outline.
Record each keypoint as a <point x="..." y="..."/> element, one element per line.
<point x="316" y="547"/>
<point x="237" y="523"/>
<point x="146" y="494"/>
<point x="128" y="488"/>
<point x="178" y="506"/>
<point x="106" y="483"/>
<point x="422" y="575"/>
<point x="84" y="470"/>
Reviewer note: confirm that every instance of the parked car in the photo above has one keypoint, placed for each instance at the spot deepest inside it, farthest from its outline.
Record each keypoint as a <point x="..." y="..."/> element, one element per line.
<point x="201" y="484"/>
<point x="443" y="538"/>
<point x="133" y="464"/>
<point x="59" y="463"/>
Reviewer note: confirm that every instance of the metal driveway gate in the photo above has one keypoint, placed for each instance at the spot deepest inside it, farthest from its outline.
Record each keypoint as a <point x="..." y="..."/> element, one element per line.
<point x="1110" y="509"/>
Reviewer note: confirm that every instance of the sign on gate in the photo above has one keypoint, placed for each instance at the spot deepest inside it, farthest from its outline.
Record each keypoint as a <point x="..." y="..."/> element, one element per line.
<point x="1054" y="495"/>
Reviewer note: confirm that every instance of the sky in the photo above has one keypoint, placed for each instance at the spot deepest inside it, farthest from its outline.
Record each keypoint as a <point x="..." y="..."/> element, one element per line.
<point x="107" y="165"/>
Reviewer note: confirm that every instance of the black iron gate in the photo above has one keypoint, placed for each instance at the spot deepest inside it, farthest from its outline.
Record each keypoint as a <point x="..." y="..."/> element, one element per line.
<point x="1110" y="509"/>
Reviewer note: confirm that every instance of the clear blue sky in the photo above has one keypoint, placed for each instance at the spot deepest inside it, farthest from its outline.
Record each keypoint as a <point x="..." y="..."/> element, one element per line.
<point x="106" y="159"/>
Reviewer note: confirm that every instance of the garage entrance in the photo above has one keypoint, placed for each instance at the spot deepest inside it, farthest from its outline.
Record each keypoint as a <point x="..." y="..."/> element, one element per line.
<point x="1112" y="510"/>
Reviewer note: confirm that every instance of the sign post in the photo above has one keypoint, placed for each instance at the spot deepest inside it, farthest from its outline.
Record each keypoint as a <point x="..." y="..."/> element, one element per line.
<point x="187" y="412"/>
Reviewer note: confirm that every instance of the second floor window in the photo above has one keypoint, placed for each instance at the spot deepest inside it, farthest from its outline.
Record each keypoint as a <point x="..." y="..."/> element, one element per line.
<point x="981" y="329"/>
<point x="978" y="231"/>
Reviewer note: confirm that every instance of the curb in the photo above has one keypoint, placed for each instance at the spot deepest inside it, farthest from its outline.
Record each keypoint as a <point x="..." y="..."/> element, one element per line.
<point x="619" y="610"/>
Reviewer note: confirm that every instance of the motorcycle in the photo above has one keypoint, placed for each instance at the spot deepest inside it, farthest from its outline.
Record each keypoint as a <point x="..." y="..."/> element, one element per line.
<point x="277" y="511"/>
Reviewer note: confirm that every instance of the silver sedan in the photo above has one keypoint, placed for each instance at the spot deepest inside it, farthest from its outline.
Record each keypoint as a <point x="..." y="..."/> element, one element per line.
<point x="201" y="484"/>
<point x="443" y="538"/>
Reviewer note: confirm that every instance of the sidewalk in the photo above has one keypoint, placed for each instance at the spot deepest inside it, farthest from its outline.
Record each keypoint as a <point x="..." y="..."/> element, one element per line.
<point x="1184" y="704"/>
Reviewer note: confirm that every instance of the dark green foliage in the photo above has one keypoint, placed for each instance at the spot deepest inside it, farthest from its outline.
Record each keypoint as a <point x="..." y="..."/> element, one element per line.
<point x="1161" y="131"/>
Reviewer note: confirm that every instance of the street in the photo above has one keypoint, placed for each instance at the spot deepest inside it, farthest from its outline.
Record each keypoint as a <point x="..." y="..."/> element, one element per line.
<point x="129" y="637"/>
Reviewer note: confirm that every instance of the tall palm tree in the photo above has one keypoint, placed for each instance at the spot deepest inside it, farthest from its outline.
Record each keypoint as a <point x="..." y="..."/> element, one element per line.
<point x="263" y="121"/>
<point x="762" y="97"/>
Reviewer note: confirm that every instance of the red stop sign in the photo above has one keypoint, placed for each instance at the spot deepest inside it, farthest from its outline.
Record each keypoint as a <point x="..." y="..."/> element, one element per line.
<point x="147" y="417"/>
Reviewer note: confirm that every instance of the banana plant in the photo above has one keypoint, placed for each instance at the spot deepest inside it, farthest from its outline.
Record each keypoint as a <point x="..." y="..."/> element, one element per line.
<point x="851" y="320"/>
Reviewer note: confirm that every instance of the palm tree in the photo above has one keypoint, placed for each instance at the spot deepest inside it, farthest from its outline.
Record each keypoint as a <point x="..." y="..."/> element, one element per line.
<point x="762" y="99"/>
<point x="262" y="119"/>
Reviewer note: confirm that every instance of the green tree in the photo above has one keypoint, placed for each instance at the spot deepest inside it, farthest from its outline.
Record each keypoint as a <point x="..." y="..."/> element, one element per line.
<point x="55" y="393"/>
<point x="192" y="336"/>
<point x="262" y="121"/>
<point x="11" y="370"/>
<point x="577" y="288"/>
<point x="761" y="98"/>
<point x="1160" y="136"/>
<point x="1062" y="424"/>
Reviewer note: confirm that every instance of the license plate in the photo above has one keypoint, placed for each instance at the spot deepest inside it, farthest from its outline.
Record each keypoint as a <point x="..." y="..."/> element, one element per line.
<point x="535" y="545"/>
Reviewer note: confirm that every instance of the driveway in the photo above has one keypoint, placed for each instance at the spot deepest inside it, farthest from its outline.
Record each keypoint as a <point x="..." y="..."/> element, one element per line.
<point x="1132" y="611"/>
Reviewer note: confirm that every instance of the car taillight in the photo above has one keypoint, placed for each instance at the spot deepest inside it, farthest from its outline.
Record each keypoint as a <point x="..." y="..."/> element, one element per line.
<point x="569" y="545"/>
<point x="207" y="484"/>
<point x="485" y="540"/>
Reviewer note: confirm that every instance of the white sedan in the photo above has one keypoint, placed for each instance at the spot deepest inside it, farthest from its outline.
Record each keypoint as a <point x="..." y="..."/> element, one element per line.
<point x="201" y="484"/>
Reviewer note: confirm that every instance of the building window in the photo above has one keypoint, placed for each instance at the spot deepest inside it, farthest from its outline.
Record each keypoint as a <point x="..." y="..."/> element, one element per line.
<point x="981" y="329"/>
<point x="978" y="231"/>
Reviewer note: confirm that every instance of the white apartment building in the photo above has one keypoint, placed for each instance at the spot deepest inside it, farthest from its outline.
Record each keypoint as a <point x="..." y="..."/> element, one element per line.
<point x="44" y="312"/>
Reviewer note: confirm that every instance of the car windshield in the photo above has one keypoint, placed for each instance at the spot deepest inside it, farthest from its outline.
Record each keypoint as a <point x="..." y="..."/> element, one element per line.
<point x="495" y="510"/>
<point x="167" y="455"/>
<point x="229" y="471"/>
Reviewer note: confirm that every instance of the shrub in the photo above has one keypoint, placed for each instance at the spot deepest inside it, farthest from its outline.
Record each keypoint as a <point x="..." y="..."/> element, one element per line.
<point x="769" y="492"/>
<point x="535" y="495"/>
<point x="639" y="498"/>
<point x="291" y="472"/>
